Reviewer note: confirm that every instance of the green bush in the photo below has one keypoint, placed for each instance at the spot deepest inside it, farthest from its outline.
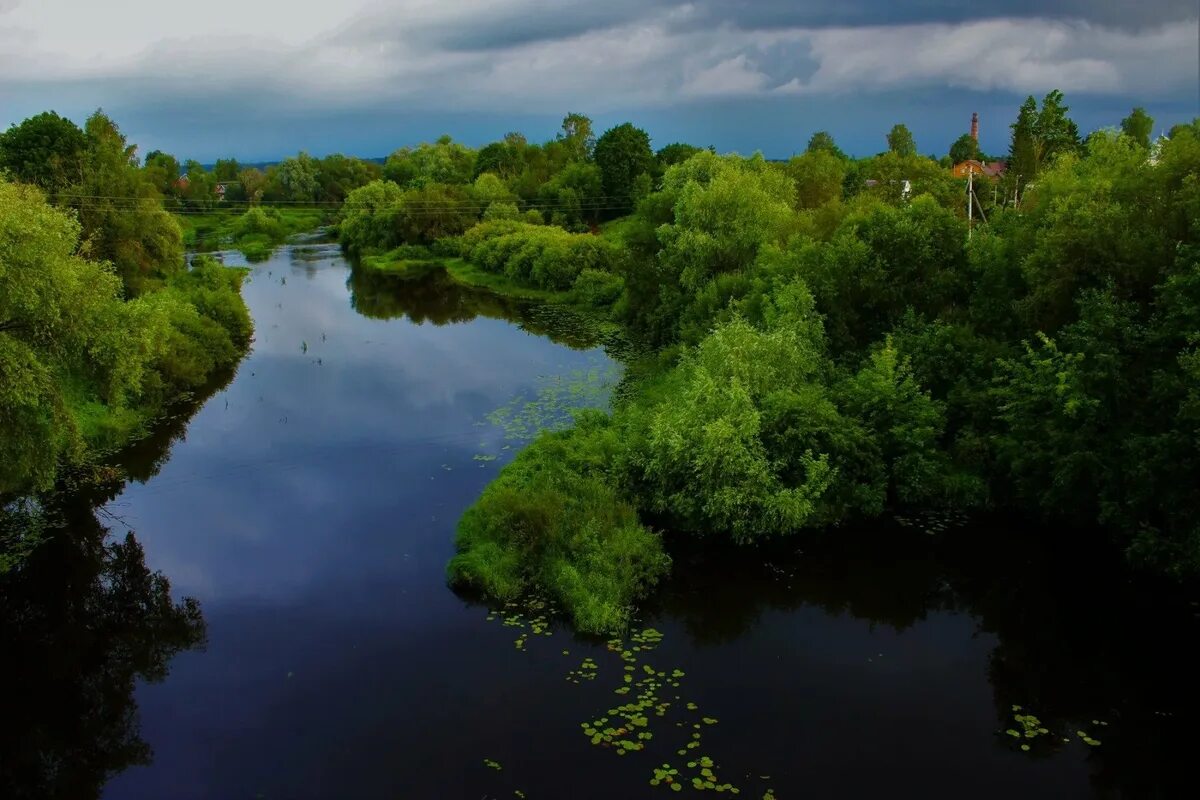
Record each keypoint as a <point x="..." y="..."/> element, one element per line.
<point x="552" y="522"/>
<point x="543" y="256"/>
<point x="596" y="288"/>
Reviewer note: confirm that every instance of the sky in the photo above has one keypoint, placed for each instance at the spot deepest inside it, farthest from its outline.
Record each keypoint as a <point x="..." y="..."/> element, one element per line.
<point x="261" y="79"/>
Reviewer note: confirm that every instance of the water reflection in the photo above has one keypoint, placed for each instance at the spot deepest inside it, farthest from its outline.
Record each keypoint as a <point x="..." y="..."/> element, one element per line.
<point x="1072" y="637"/>
<point x="436" y="298"/>
<point x="82" y="622"/>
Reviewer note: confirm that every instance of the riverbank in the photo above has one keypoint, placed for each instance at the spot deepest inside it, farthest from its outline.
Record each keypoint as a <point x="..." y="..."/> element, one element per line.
<point x="255" y="232"/>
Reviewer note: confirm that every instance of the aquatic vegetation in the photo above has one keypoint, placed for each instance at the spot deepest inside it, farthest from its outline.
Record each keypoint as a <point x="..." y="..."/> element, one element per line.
<point x="557" y="399"/>
<point x="1029" y="729"/>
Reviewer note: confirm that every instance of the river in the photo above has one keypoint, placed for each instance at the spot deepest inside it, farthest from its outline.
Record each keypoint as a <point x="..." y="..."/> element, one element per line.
<point x="309" y="505"/>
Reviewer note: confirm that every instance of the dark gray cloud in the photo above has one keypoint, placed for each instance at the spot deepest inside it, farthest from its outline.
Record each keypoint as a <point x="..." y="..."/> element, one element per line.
<point x="530" y="21"/>
<point x="370" y="68"/>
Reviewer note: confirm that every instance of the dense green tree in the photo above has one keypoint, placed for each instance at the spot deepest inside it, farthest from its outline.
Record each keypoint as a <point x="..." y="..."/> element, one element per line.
<point x="964" y="148"/>
<point x="574" y="194"/>
<point x="822" y="140"/>
<point x="818" y="175"/>
<point x="1041" y="135"/>
<point x="577" y="137"/>
<point x="253" y="184"/>
<point x="294" y="179"/>
<point x="162" y="171"/>
<point x="121" y="212"/>
<point x="46" y="150"/>
<point x="59" y="314"/>
<point x="675" y="153"/>
<point x="622" y="154"/>
<point x="368" y="220"/>
<point x="226" y="170"/>
<point x="434" y="211"/>
<point x="200" y="188"/>
<point x="900" y="140"/>
<point x="1138" y="126"/>
<point x="444" y="161"/>
<point x="504" y="158"/>
<point x="338" y="175"/>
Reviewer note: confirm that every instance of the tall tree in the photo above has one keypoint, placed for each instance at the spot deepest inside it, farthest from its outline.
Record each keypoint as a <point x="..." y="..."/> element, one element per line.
<point x="1022" y="152"/>
<point x="295" y="178"/>
<point x="162" y="170"/>
<point x="623" y="153"/>
<point x="1040" y="136"/>
<point x="822" y="140"/>
<point x="577" y="137"/>
<point x="675" y="153"/>
<point x="45" y="150"/>
<point x="1138" y="126"/>
<point x="226" y="169"/>
<point x="900" y="140"/>
<point x="121" y="212"/>
<point x="1055" y="132"/>
<point x="965" y="147"/>
<point x="818" y="175"/>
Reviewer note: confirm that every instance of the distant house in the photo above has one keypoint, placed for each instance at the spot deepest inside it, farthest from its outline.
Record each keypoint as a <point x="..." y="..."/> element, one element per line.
<point x="982" y="168"/>
<point x="220" y="192"/>
<point x="182" y="183"/>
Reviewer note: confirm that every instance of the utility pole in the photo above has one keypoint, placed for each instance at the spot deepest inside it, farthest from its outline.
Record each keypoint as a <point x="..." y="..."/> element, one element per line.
<point x="970" y="196"/>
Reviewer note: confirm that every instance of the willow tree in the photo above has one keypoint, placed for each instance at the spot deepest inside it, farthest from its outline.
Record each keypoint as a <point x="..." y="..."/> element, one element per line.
<point x="60" y="315"/>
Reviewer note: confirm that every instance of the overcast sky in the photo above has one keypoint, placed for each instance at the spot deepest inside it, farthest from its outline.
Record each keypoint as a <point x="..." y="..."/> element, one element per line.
<point x="258" y="79"/>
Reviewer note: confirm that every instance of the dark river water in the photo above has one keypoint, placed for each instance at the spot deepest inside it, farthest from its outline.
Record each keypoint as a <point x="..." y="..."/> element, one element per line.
<point x="308" y="646"/>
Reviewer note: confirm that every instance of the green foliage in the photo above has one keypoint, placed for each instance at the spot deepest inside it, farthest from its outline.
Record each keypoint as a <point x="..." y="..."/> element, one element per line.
<point x="137" y="235"/>
<point x="1138" y="126"/>
<point x="535" y="255"/>
<point x="83" y="368"/>
<point x="622" y="154"/>
<point x="553" y="521"/>
<point x="444" y="161"/>
<point x="697" y="455"/>
<point x="45" y="150"/>
<point x="900" y="141"/>
<point x="1041" y="135"/>
<point x="964" y="148"/>
<point x="818" y="175"/>
<point x="368" y="221"/>
<point x="822" y="141"/>
<point x="294" y="179"/>
<point x="675" y="153"/>
<point x="881" y="261"/>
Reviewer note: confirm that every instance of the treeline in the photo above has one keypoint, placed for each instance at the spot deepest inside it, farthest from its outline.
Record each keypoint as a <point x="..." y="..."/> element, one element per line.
<point x="439" y="190"/>
<point x="831" y="349"/>
<point x="102" y="323"/>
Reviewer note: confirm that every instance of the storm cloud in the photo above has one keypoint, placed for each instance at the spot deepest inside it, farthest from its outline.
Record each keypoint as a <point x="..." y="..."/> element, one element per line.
<point x="537" y="58"/>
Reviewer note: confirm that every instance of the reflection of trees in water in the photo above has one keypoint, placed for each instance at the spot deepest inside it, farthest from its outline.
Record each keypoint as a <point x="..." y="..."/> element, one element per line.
<point x="82" y="620"/>
<point x="435" y="297"/>
<point x="1078" y="638"/>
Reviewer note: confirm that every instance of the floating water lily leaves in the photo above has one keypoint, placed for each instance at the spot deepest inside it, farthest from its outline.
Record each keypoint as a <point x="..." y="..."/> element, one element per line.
<point x="492" y="764"/>
<point x="1029" y="728"/>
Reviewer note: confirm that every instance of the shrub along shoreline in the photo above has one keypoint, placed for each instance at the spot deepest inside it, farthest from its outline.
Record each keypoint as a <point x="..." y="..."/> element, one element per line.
<point x="86" y="368"/>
